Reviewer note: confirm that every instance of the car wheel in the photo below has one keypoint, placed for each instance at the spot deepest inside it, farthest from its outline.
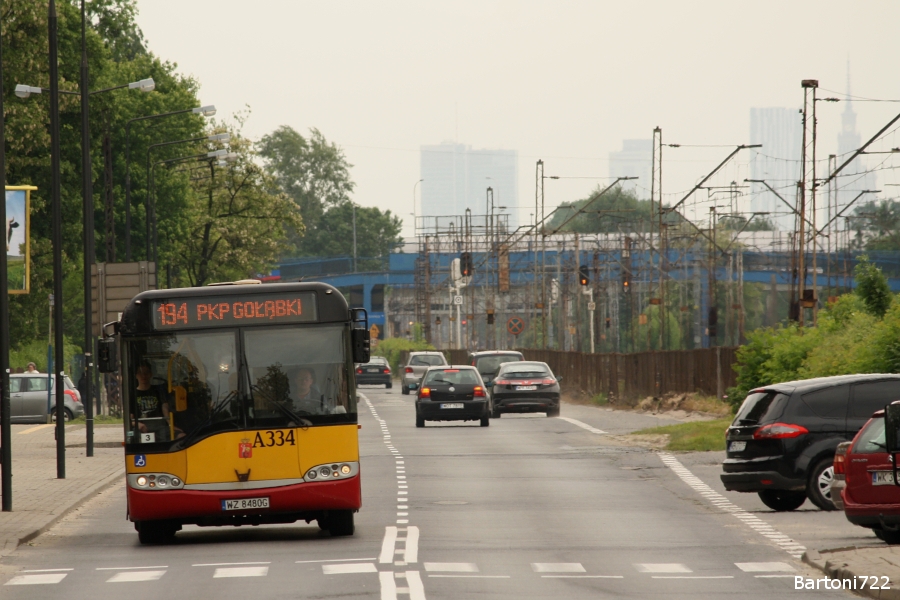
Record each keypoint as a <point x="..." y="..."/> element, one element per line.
<point x="420" y="421"/>
<point x="495" y="414"/>
<point x="486" y="421"/>
<point x="819" y="488"/>
<point x="67" y="415"/>
<point x="890" y="537"/>
<point x="388" y="386"/>
<point x="553" y="412"/>
<point x="782" y="500"/>
<point x="404" y="389"/>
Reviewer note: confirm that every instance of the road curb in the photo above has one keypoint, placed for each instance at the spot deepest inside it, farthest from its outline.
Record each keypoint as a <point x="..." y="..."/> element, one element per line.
<point x="25" y="536"/>
<point x="845" y="567"/>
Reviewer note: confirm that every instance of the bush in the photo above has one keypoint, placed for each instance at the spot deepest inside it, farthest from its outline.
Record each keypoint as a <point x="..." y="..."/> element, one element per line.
<point x="872" y="287"/>
<point x="393" y="350"/>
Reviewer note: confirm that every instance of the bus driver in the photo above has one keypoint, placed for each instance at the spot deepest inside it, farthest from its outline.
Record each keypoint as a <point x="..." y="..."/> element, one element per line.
<point x="151" y="403"/>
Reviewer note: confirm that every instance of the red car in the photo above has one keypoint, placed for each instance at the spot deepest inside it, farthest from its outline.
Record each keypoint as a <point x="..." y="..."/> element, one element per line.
<point x="870" y="497"/>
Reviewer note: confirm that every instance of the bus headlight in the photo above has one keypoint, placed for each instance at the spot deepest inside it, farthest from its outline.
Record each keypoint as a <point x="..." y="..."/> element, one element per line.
<point x="154" y="481"/>
<point x="332" y="471"/>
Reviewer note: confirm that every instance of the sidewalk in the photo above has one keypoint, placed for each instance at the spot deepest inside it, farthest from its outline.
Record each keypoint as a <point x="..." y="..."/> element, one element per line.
<point x="39" y="499"/>
<point x="855" y="564"/>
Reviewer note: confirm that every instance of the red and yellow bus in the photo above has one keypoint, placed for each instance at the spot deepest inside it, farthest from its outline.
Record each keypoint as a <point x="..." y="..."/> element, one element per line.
<point x="240" y="406"/>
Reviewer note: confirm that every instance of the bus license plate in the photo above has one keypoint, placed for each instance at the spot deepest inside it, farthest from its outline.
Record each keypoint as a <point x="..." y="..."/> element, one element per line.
<point x="882" y="478"/>
<point x="525" y="387"/>
<point x="737" y="446"/>
<point x="245" y="504"/>
<point x="452" y="405"/>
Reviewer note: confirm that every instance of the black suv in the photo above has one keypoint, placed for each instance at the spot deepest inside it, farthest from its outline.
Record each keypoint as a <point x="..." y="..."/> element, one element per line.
<point x="488" y="362"/>
<point x="783" y="438"/>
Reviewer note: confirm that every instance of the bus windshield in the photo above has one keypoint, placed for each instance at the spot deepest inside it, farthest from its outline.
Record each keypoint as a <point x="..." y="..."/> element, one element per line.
<point x="183" y="386"/>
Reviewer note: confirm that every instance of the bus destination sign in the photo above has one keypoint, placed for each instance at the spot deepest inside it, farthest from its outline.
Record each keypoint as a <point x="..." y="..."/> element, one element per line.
<point x="231" y="311"/>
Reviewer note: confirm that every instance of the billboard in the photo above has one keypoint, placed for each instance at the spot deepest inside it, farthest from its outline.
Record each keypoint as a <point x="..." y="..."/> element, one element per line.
<point x="18" y="237"/>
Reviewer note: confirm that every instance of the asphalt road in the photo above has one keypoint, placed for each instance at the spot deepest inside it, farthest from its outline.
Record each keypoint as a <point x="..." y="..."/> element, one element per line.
<point x="529" y="507"/>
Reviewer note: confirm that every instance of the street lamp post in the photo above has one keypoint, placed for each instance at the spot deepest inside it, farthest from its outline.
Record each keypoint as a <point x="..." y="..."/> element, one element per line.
<point x="415" y="185"/>
<point x="5" y="429"/>
<point x="206" y="111"/>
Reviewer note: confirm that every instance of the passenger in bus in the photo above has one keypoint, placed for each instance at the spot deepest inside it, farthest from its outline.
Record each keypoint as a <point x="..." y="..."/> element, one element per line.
<point x="151" y="404"/>
<point x="305" y="394"/>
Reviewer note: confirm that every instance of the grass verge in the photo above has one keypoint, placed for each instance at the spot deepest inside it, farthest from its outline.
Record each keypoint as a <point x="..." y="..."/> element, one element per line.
<point x="100" y="420"/>
<point x="697" y="436"/>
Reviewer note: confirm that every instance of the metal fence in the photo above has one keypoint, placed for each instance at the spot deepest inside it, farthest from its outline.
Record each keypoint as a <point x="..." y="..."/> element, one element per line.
<point x="629" y="377"/>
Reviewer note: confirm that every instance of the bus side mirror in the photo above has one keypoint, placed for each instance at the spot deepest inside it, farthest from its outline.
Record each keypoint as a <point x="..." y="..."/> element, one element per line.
<point x="107" y="355"/>
<point x="361" y="350"/>
<point x="892" y="435"/>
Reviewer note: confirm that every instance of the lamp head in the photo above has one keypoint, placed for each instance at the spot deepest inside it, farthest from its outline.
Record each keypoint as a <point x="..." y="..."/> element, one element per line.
<point x="217" y="154"/>
<point x="220" y="137"/>
<point x="144" y="85"/>
<point x="206" y="111"/>
<point x="24" y="91"/>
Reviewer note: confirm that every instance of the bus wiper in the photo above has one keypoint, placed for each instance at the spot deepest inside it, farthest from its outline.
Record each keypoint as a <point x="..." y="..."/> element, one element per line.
<point x="217" y="409"/>
<point x="281" y="406"/>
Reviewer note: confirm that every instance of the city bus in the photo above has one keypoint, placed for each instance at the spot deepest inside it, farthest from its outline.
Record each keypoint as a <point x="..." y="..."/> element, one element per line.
<point x="239" y="406"/>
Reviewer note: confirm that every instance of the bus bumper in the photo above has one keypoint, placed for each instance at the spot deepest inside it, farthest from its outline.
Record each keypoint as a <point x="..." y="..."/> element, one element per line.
<point x="286" y="503"/>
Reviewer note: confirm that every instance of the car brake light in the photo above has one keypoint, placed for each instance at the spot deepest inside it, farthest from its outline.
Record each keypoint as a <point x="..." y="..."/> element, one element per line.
<point x="548" y="381"/>
<point x="451" y="370"/>
<point x="359" y="370"/>
<point x="387" y="371"/>
<point x="839" y="464"/>
<point x="502" y="382"/>
<point x="479" y="391"/>
<point x="425" y="393"/>
<point x="409" y="369"/>
<point x="778" y="431"/>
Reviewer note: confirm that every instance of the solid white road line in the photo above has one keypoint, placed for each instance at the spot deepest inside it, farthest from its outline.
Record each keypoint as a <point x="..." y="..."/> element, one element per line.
<point x="230" y="564"/>
<point x="557" y="568"/>
<point x="478" y="576"/>
<point x="36" y="579"/>
<point x="46" y="570"/>
<point x="241" y="572"/>
<point x="582" y="577"/>
<point x="332" y="560"/>
<point x="349" y="568"/>
<point x="132" y="576"/>
<point x="580" y="424"/>
<point x="662" y="568"/>
<point x="693" y="577"/>
<point x="129" y="568"/>
<point x="452" y="567"/>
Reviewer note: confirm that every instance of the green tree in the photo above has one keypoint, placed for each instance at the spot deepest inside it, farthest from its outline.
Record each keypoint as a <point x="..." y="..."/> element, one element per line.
<point x="882" y="223"/>
<point x="872" y="287"/>
<point x="605" y="213"/>
<point x="234" y="225"/>
<point x="377" y="233"/>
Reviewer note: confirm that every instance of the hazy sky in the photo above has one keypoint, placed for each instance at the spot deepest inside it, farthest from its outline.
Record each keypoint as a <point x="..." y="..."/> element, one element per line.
<point x="565" y="81"/>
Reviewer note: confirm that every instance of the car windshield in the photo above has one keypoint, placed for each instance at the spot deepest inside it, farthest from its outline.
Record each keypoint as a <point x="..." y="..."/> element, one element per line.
<point x="186" y="385"/>
<point x="489" y="365"/>
<point x="525" y="370"/>
<point x="871" y="438"/>
<point x="427" y="360"/>
<point x="452" y="376"/>
<point x="758" y="407"/>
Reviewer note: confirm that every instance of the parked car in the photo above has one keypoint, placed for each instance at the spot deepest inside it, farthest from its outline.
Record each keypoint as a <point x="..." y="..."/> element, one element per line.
<point x="488" y="362"/>
<point x="377" y="371"/>
<point x="28" y="398"/>
<point x="450" y="393"/>
<point x="782" y="442"/>
<point x="870" y="497"/>
<point x="416" y="365"/>
<point x="525" y="386"/>
<point x="838" y="482"/>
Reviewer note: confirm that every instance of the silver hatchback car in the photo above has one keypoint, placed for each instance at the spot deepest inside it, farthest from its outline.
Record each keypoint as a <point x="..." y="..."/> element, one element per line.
<point x="29" y="398"/>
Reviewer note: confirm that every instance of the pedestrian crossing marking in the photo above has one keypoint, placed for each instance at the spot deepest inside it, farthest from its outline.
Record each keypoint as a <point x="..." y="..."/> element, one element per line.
<point x="557" y="568"/>
<point x="241" y="572"/>
<point x="131" y="576"/>
<point x="44" y="578"/>
<point x="349" y="568"/>
<point x="765" y="567"/>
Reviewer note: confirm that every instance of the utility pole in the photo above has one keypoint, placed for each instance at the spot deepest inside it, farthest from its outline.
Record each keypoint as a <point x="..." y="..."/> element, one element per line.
<point x="5" y="429"/>
<point x="656" y="196"/>
<point x="712" y="321"/>
<point x="808" y="175"/>
<point x="539" y="193"/>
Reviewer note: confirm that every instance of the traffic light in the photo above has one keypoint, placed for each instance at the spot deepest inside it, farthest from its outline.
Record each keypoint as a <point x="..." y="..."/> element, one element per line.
<point x="490" y="319"/>
<point x="465" y="264"/>
<point x="584" y="276"/>
<point x="713" y="322"/>
<point x="608" y="321"/>
<point x="626" y="281"/>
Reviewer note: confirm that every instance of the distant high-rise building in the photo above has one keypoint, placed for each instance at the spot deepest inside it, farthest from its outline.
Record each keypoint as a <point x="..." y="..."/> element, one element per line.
<point x="780" y="131"/>
<point x="635" y="159"/>
<point x="456" y="177"/>
<point x="853" y="179"/>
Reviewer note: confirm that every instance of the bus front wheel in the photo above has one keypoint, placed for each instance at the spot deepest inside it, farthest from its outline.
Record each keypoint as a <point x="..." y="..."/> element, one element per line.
<point x="156" y="532"/>
<point x="339" y="522"/>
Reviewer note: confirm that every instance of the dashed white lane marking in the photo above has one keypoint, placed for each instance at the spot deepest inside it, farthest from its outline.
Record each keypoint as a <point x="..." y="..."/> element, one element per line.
<point x="786" y="543"/>
<point x="557" y="568"/>
<point x="582" y="425"/>
<point x="132" y="576"/>
<point x="36" y="579"/>
<point x="765" y="567"/>
<point x="349" y="568"/>
<point x="692" y="577"/>
<point x="332" y="560"/>
<point x="473" y="576"/>
<point x="130" y="568"/>
<point x="241" y="572"/>
<point x="582" y="577"/>
<point x="452" y="567"/>
<point x="46" y="570"/>
<point x="230" y="564"/>
<point x="662" y="568"/>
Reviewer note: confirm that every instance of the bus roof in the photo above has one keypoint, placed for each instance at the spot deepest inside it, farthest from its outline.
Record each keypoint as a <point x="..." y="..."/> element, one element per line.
<point x="137" y="318"/>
